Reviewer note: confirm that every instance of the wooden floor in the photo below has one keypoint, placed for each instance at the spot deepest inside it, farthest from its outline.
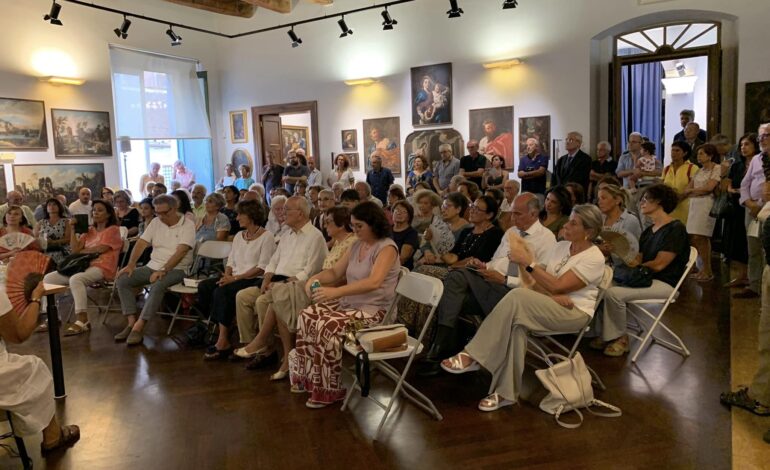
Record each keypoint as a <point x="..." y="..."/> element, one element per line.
<point x="160" y="406"/>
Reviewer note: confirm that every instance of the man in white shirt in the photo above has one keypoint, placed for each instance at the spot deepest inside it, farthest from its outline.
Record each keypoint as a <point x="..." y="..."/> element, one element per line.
<point x="300" y="254"/>
<point x="365" y="192"/>
<point x="15" y="198"/>
<point x="83" y="204"/>
<point x="484" y="285"/>
<point x="315" y="178"/>
<point x="172" y="238"/>
<point x="510" y="191"/>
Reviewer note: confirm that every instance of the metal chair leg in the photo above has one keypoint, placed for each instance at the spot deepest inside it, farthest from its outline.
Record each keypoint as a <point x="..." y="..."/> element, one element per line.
<point x="23" y="455"/>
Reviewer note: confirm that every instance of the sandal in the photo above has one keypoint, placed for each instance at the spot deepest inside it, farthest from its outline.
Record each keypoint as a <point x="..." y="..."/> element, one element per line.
<point x="42" y="328"/>
<point x="454" y="364"/>
<point x="741" y="399"/>
<point x="494" y="402"/>
<point x="68" y="436"/>
<point x="214" y="354"/>
<point x="617" y="348"/>
<point x="597" y="344"/>
<point x="77" y="328"/>
<point x="297" y="388"/>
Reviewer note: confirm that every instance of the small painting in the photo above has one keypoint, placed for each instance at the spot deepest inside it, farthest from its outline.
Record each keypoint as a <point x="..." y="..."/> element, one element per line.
<point x="382" y="136"/>
<point x="757" y="106"/>
<point x="294" y="137"/>
<point x="428" y="141"/>
<point x="81" y="133"/>
<point x="350" y="140"/>
<point x="432" y="95"/>
<point x="352" y="157"/>
<point x="22" y="125"/>
<point x="538" y="127"/>
<point x="240" y="157"/>
<point x="37" y="183"/>
<point x="493" y="129"/>
<point x="239" y="132"/>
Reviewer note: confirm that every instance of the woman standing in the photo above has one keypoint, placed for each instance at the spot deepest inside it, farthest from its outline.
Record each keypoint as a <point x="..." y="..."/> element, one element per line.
<point x="678" y="175"/>
<point x="127" y="216"/>
<point x="341" y="173"/>
<point x="558" y="207"/>
<point x="420" y="173"/>
<point x="54" y="227"/>
<point x="700" y="224"/>
<point x="495" y="176"/>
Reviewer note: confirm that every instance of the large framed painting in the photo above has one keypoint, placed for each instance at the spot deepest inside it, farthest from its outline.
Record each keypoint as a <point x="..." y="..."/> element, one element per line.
<point x="239" y="131"/>
<point x="3" y="186"/>
<point x="37" y="183"/>
<point x="538" y="127"/>
<point x="352" y="158"/>
<point x="81" y="133"/>
<point x="349" y="140"/>
<point x="22" y="125"/>
<point x="294" y="137"/>
<point x="757" y="106"/>
<point x="240" y="157"/>
<point x="493" y="129"/>
<point x="428" y="141"/>
<point x="383" y="136"/>
<point x="432" y="95"/>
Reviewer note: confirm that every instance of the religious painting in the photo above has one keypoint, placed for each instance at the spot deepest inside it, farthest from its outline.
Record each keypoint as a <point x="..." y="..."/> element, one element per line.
<point x="383" y="136"/>
<point x="349" y="140"/>
<point x="427" y="143"/>
<point x="22" y="125"/>
<point x="352" y="157"/>
<point x="241" y="157"/>
<point x="81" y="133"/>
<point x="239" y="131"/>
<point x="293" y="138"/>
<point x="493" y="129"/>
<point x="757" y="106"/>
<point x="37" y="183"/>
<point x="539" y="128"/>
<point x="3" y="186"/>
<point x="432" y="95"/>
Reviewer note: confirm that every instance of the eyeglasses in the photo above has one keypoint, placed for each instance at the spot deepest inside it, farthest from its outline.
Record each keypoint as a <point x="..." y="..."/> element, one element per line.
<point x="763" y="136"/>
<point x="163" y="213"/>
<point x="400" y="211"/>
<point x="475" y="207"/>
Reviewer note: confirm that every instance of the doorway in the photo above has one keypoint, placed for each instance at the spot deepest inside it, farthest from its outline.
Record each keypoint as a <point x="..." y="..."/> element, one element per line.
<point x="283" y="127"/>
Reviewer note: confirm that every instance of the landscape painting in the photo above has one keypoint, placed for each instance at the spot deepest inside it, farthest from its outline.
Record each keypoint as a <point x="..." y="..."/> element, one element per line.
<point x="37" y="183"/>
<point x="22" y="125"/>
<point x="81" y="133"/>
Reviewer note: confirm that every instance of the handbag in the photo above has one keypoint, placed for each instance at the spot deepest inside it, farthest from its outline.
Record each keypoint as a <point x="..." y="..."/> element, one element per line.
<point x="376" y="339"/>
<point x="639" y="276"/>
<point x="569" y="388"/>
<point x="75" y="263"/>
<point x="722" y="206"/>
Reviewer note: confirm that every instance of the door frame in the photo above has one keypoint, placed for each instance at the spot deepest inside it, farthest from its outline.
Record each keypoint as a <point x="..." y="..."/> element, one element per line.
<point x="300" y="107"/>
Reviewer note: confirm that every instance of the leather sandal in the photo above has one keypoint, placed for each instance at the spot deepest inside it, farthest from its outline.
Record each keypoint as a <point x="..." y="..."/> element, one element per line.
<point x="68" y="436"/>
<point x="240" y="354"/>
<point x="741" y="399"/>
<point x="214" y="354"/>
<point x="77" y="328"/>
<point x="454" y="365"/>
<point x="494" y="402"/>
<point x="617" y="348"/>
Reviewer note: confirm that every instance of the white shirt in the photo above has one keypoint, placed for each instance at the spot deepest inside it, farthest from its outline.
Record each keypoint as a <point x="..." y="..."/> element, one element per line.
<point x="375" y="200"/>
<point x="245" y="255"/>
<point x="506" y="206"/>
<point x="164" y="241"/>
<point x="78" y="207"/>
<point x="539" y="239"/>
<point x="588" y="266"/>
<point x="315" y="178"/>
<point x="300" y="254"/>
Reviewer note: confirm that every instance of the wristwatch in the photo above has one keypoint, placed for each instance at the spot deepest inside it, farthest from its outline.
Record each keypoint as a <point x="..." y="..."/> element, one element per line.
<point x="531" y="267"/>
<point x="34" y="301"/>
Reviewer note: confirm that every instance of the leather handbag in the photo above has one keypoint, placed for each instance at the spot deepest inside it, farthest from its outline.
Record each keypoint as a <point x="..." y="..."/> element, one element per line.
<point x="75" y="263"/>
<point x="385" y="338"/>
<point x="626" y="276"/>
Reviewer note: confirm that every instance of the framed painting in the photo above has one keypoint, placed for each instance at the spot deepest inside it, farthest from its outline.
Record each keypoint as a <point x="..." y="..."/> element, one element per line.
<point x="428" y="141"/>
<point x="240" y="157"/>
<point x="493" y="129"/>
<point x="382" y="137"/>
<point x="294" y="137"/>
<point x="81" y="133"/>
<point x="431" y="95"/>
<point x="538" y="127"/>
<point x="352" y="157"/>
<point x="239" y="131"/>
<point x="3" y="186"/>
<point x="757" y="106"/>
<point x="37" y="183"/>
<point x="22" y="125"/>
<point x="349" y="140"/>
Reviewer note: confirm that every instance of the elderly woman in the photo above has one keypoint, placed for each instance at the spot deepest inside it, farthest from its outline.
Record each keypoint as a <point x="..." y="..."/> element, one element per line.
<point x="103" y="239"/>
<point x="664" y="250"/>
<point x="495" y="176"/>
<point x="15" y="223"/>
<point x="469" y="189"/>
<point x="558" y="206"/>
<point x="420" y="173"/>
<point x="371" y="270"/>
<point x="612" y="201"/>
<point x="677" y="175"/>
<point x="214" y="225"/>
<point x="26" y="386"/>
<point x="251" y="251"/>
<point x="229" y="178"/>
<point x="406" y="237"/>
<point x="127" y="215"/>
<point x="341" y="173"/>
<point x="700" y="224"/>
<point x="183" y="175"/>
<point x="427" y="203"/>
<point x="245" y="180"/>
<point x="562" y="299"/>
<point x="54" y="228"/>
<point x="277" y="217"/>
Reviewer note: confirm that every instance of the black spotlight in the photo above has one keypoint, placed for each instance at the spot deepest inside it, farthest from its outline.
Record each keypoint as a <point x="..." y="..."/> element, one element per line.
<point x="53" y="15"/>
<point x="510" y="4"/>
<point x="454" y="10"/>
<point x="295" y="40"/>
<point x="387" y="25"/>
<point x="344" y="28"/>
<point x="122" y="32"/>
<point x="176" y="39"/>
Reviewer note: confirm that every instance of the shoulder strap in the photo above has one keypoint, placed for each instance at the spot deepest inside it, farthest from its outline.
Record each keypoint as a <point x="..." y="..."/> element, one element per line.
<point x="613" y="413"/>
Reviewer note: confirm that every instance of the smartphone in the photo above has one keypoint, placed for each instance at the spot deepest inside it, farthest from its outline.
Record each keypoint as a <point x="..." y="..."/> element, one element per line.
<point x="81" y="223"/>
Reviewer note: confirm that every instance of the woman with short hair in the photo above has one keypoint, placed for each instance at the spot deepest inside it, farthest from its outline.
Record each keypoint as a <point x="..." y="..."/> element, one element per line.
<point x="426" y="203"/>
<point x="15" y="223"/>
<point x="420" y="173"/>
<point x="127" y="215"/>
<point x="214" y="225"/>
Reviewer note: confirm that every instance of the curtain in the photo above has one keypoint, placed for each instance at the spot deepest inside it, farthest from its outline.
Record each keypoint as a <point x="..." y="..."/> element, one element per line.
<point x="642" y="103"/>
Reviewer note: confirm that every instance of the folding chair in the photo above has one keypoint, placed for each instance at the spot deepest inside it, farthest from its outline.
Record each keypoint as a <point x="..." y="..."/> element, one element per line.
<point x="421" y="289"/>
<point x="639" y="312"/>
<point x="22" y="449"/>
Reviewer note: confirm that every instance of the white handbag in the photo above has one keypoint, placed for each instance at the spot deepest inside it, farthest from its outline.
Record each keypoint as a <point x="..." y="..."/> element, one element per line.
<point x="569" y="388"/>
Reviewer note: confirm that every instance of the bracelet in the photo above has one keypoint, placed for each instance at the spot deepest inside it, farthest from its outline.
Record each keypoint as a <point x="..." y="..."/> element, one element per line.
<point x="34" y="301"/>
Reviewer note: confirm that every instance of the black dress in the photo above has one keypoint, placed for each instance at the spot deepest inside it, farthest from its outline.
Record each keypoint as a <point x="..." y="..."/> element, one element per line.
<point x="407" y="237"/>
<point x="733" y="229"/>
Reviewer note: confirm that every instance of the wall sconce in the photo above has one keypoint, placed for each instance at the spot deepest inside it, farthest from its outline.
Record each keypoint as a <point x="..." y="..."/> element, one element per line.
<point x="502" y="64"/>
<point x="361" y="81"/>
<point x="62" y="80"/>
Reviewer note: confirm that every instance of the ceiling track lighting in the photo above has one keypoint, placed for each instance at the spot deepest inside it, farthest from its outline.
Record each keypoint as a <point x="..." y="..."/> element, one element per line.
<point x="295" y="40"/>
<point x="510" y="4"/>
<point x="53" y="16"/>
<point x="176" y="40"/>
<point x="387" y="24"/>
<point x="344" y="27"/>
<point x="454" y="10"/>
<point x="122" y="32"/>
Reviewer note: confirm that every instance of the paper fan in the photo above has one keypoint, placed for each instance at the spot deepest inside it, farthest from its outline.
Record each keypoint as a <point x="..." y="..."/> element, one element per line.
<point x="16" y="241"/>
<point x="624" y="245"/>
<point x="25" y="272"/>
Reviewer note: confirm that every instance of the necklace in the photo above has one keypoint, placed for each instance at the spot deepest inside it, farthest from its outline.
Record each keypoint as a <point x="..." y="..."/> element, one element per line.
<point x="252" y="236"/>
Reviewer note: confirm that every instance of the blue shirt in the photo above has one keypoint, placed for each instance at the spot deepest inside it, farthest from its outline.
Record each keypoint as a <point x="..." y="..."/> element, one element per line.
<point x="244" y="183"/>
<point x="380" y="182"/>
<point x="533" y="185"/>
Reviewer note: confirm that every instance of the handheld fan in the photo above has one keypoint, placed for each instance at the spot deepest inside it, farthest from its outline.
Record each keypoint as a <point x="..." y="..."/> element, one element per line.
<point x="25" y="272"/>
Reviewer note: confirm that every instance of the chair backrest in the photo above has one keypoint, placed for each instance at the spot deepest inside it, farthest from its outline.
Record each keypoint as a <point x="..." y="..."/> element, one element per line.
<point x="417" y="287"/>
<point x="215" y="249"/>
<point x="690" y="264"/>
<point x="123" y="233"/>
<point x="604" y="284"/>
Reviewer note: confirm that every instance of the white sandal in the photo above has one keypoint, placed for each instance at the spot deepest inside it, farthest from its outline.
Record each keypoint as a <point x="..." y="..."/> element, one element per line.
<point x="456" y="364"/>
<point x="494" y="402"/>
<point x="77" y="328"/>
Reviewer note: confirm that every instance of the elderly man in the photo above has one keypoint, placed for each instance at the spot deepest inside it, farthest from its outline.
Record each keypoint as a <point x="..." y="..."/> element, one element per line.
<point x="294" y="173"/>
<point x="510" y="191"/>
<point x="532" y="168"/>
<point x="480" y="287"/>
<point x="15" y="198"/>
<point x="299" y="255"/>
<point x="325" y="202"/>
<point x="575" y="166"/>
<point x="692" y="137"/>
<point x="315" y="178"/>
<point x="687" y="116"/>
<point x="379" y="180"/>
<point x="198" y="205"/>
<point x="445" y="169"/>
<point x="627" y="161"/>
<point x="604" y="165"/>
<point x="154" y="176"/>
<point x="172" y="238"/>
<point x="83" y="204"/>
<point x="472" y="166"/>
<point x="365" y="193"/>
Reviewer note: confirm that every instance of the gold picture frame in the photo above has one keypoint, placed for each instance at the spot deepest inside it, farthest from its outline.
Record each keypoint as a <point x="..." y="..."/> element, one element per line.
<point x="239" y="130"/>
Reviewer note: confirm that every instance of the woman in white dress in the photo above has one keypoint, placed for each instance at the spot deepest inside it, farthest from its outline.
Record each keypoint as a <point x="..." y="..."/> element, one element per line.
<point x="341" y="173"/>
<point x="700" y="191"/>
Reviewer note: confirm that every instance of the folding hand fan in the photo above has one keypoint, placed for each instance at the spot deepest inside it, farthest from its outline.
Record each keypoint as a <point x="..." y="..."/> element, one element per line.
<point x="25" y="271"/>
<point x="16" y="241"/>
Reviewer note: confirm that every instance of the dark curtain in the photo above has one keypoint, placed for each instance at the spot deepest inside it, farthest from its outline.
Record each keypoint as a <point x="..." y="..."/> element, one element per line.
<point x="642" y="103"/>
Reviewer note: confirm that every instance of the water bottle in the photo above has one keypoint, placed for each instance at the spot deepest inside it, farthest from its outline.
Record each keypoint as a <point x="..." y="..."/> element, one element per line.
<point x="314" y="287"/>
<point x="43" y="241"/>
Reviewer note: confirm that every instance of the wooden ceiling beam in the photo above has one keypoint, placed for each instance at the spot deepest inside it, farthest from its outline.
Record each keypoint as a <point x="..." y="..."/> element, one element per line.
<point x="239" y="8"/>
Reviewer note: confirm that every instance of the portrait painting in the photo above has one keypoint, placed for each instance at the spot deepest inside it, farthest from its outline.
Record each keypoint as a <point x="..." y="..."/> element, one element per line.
<point x="349" y="140"/>
<point x="757" y="106"/>
<point x="427" y="142"/>
<point x="38" y="183"/>
<point x="22" y="125"/>
<point x="382" y="137"/>
<point x="432" y="95"/>
<point x="239" y="131"/>
<point x="493" y="129"/>
<point x="3" y="186"/>
<point x="240" y="157"/>
<point x="538" y="127"/>
<point x="352" y="158"/>
<point x="294" y="137"/>
<point x="81" y="133"/>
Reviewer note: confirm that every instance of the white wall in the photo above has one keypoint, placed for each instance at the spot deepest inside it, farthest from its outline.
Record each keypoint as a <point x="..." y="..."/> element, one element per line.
<point x="697" y="101"/>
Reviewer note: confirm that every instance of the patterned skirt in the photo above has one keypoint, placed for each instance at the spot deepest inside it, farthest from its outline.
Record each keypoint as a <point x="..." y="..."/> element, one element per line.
<point x="414" y="315"/>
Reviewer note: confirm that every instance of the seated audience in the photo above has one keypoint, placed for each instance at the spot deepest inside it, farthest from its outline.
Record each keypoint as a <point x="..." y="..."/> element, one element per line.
<point x="427" y="204"/>
<point x="214" y="225"/>
<point x="406" y="237"/>
<point x="232" y="195"/>
<point x="350" y="198"/>
<point x="198" y="196"/>
<point x="14" y="223"/>
<point x="700" y="224"/>
<point x="678" y="175"/>
<point x="395" y="194"/>
<point x="365" y="192"/>
<point x="54" y="228"/>
<point x="159" y="189"/>
<point x="147" y="212"/>
<point x="149" y="190"/>
<point x="276" y="219"/>
<point x="577" y="194"/>
<point x="469" y="189"/>
<point x="420" y="173"/>
<point x="558" y="206"/>
<point x="337" y="189"/>
<point x="300" y="189"/>
<point x="325" y="202"/>
<point x="107" y="194"/>
<point x="228" y="179"/>
<point x="83" y="204"/>
<point x="435" y="245"/>
<point x="245" y="179"/>
<point x="612" y="203"/>
<point x="127" y="215"/>
<point x="185" y="207"/>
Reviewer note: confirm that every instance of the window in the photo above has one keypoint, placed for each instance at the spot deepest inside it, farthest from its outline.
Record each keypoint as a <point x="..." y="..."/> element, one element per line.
<point x="673" y="37"/>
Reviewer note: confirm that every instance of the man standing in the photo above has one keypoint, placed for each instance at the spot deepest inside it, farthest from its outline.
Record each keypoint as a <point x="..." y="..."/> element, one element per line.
<point x="472" y="165"/>
<point x="15" y="198"/>
<point x="379" y="179"/>
<point x="172" y="238"/>
<point x="575" y="166"/>
<point x="315" y="178"/>
<point x="445" y="169"/>
<point x="687" y="116"/>
<point x="272" y="175"/>
<point x="532" y="168"/>
<point x="154" y="176"/>
<point x="294" y="173"/>
<point x="604" y="165"/>
<point x="692" y="137"/>
<point x="83" y="204"/>
<point x="627" y="161"/>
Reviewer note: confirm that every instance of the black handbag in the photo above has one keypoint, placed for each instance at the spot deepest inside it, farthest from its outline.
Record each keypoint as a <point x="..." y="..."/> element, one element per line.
<point x="626" y="276"/>
<point x="75" y="263"/>
<point x="722" y="206"/>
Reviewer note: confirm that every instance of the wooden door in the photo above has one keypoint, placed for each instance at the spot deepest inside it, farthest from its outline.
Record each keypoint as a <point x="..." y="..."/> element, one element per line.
<point x="270" y="131"/>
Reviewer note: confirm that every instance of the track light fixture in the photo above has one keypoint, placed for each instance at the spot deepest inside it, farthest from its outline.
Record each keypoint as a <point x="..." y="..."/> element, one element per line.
<point x="344" y="27"/>
<point x="295" y="40"/>
<point x="510" y="4"/>
<point x="454" y="10"/>
<point x="53" y="16"/>
<point x="176" y="40"/>
<point x="122" y="32"/>
<point x="387" y="25"/>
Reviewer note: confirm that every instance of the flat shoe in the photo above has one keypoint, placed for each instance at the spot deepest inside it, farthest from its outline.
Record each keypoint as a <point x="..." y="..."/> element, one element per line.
<point x="297" y="388"/>
<point x="280" y="375"/>
<point x="214" y="354"/>
<point x="123" y="334"/>
<point x="316" y="404"/>
<point x="493" y="403"/>
<point x="455" y="365"/>
<point x="741" y="399"/>
<point x="68" y="437"/>
<point x="134" y="338"/>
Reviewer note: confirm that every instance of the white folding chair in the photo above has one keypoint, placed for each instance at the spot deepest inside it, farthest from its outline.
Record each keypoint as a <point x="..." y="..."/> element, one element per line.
<point x="639" y="312"/>
<point x="421" y="289"/>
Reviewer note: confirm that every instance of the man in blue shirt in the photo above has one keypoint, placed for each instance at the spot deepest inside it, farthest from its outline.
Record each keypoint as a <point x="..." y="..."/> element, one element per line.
<point x="532" y="168"/>
<point x="379" y="179"/>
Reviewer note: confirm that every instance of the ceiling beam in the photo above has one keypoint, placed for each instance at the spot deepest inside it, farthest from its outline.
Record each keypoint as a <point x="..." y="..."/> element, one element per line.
<point x="239" y="8"/>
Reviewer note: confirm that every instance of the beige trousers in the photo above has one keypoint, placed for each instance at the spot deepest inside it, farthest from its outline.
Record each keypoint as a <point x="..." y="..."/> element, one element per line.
<point x="250" y="311"/>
